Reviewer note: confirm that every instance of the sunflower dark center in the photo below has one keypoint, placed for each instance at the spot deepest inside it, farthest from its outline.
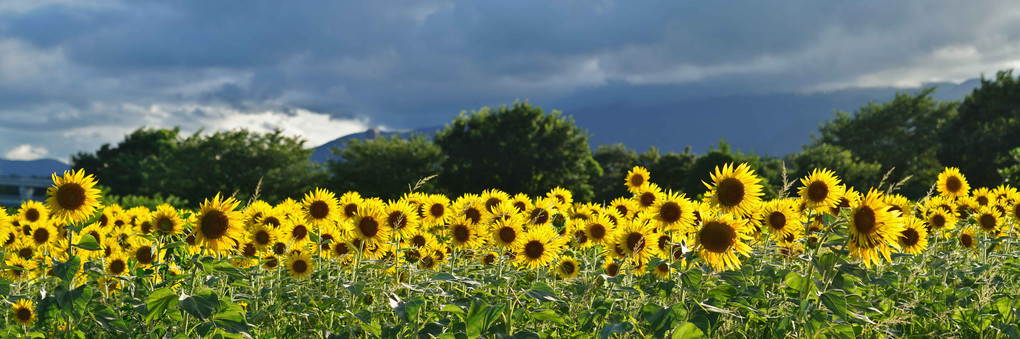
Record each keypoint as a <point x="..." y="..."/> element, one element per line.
<point x="165" y="224"/>
<point x="279" y="248"/>
<point x="461" y="233"/>
<point x="341" y="249"/>
<point x="262" y="237"/>
<point x="647" y="199"/>
<point x="249" y="250"/>
<point x="938" y="220"/>
<point x="717" y="237"/>
<point x="300" y="266"/>
<point x="190" y="239"/>
<point x="730" y="192"/>
<point x="580" y="237"/>
<point x="24" y="314"/>
<point x="491" y="203"/>
<point x="622" y="209"/>
<point x="418" y="241"/>
<point x="598" y="231"/>
<point x="966" y="240"/>
<point x="520" y="206"/>
<point x="637" y="180"/>
<point x="953" y="184"/>
<point x="299" y="232"/>
<point x="539" y="216"/>
<point x="144" y="255"/>
<point x="817" y="191"/>
<point x="489" y="259"/>
<point x="350" y="209"/>
<point x="32" y="215"/>
<point x="275" y="222"/>
<point x="982" y="200"/>
<point x="987" y="221"/>
<point x="71" y="196"/>
<point x="146" y="227"/>
<point x="26" y="253"/>
<point x="437" y="210"/>
<point x="117" y="266"/>
<point x="397" y="219"/>
<point x="612" y="269"/>
<point x="678" y="253"/>
<point x="909" y="237"/>
<point x="568" y="267"/>
<point x="534" y="249"/>
<point x="104" y="220"/>
<point x="864" y="220"/>
<point x="368" y="226"/>
<point x="664" y="241"/>
<point x="670" y="212"/>
<point x="635" y="241"/>
<point x="777" y="220"/>
<point x="474" y="215"/>
<point x="214" y="224"/>
<point x="507" y="235"/>
<point x="318" y="209"/>
<point x="41" y="235"/>
<point x="662" y="267"/>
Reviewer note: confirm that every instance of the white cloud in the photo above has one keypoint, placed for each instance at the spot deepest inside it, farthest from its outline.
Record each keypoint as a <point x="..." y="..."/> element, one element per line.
<point x="26" y="152"/>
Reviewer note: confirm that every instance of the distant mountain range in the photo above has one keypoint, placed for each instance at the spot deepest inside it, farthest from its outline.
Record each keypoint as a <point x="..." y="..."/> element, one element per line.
<point x="41" y="168"/>
<point x="323" y="153"/>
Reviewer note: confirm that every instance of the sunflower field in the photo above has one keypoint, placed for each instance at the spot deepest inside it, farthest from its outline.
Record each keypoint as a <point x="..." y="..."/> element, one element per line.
<point x="822" y="260"/>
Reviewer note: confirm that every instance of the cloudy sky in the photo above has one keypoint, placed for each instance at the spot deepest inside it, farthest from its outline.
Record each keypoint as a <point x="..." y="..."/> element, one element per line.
<point x="75" y="74"/>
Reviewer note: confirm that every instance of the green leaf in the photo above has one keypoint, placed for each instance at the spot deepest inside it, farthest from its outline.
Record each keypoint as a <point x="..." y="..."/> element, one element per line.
<point x="88" y="243"/>
<point x="110" y="321"/>
<point x="157" y="303"/>
<point x="542" y="292"/>
<point x="230" y="317"/>
<point x="201" y="305"/>
<point x="687" y="331"/>
<point x="619" y="328"/>
<point x="231" y="271"/>
<point x="835" y="300"/>
<point x="374" y="328"/>
<point x="548" y="316"/>
<point x="479" y="319"/>
<point x="5" y="288"/>
<point x="66" y="270"/>
<point x="457" y="310"/>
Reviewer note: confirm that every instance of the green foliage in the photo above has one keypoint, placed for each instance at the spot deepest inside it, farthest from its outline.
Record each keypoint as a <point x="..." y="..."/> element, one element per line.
<point x="151" y="202"/>
<point x="616" y="160"/>
<point x="901" y="133"/>
<point x="516" y="149"/>
<point x="854" y="172"/>
<point x="384" y="167"/>
<point x="121" y="167"/>
<point x="979" y="139"/>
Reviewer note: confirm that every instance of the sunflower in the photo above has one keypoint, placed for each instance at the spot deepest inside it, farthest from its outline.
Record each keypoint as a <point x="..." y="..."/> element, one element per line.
<point x="521" y="202"/>
<point x="350" y="202"/>
<point x="914" y="236"/>
<point x="401" y="217"/>
<point x="567" y="268"/>
<point x="300" y="265"/>
<point x="469" y="207"/>
<point x="72" y="197"/>
<point x="32" y="212"/>
<point x="435" y="210"/>
<point x="899" y="203"/>
<point x="142" y="223"/>
<point x="965" y="206"/>
<point x="506" y="234"/>
<point x="952" y="184"/>
<point x="538" y="247"/>
<point x="18" y="269"/>
<point x="611" y="267"/>
<point x="940" y="220"/>
<point x="968" y="239"/>
<point x="873" y="229"/>
<point x="23" y="312"/>
<point x="272" y="217"/>
<point x="673" y="212"/>
<point x="637" y="177"/>
<point x="735" y="190"/>
<point x="821" y="189"/>
<point x="988" y="220"/>
<point x="982" y="195"/>
<point x="43" y="234"/>
<point x="263" y="236"/>
<point x="1014" y="212"/>
<point x="780" y="218"/>
<point x="254" y="211"/>
<point x="647" y="196"/>
<point x="493" y="197"/>
<point x="504" y="211"/>
<point x="320" y="206"/>
<point x="465" y="234"/>
<point x="562" y="197"/>
<point x="624" y="206"/>
<point x="144" y="252"/>
<point x="720" y="239"/>
<point x="167" y="221"/>
<point x="845" y="201"/>
<point x="662" y="270"/>
<point x="636" y="239"/>
<point x="541" y="212"/>
<point x="116" y="264"/>
<point x="370" y="225"/>
<point x="217" y="223"/>
<point x="599" y="230"/>
<point x="296" y="230"/>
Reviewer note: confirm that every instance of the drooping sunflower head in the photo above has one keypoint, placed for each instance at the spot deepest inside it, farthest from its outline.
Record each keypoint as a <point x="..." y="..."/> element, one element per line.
<point x="821" y="189"/>
<point x="637" y="177"/>
<point x="538" y="247"/>
<point x="735" y="190"/>
<point x="217" y="225"/>
<point x="719" y="240"/>
<point x="673" y="212"/>
<point x="952" y="183"/>
<point x="73" y="197"/>
<point x="320" y="206"/>
<point x="23" y="312"/>
<point x="300" y="265"/>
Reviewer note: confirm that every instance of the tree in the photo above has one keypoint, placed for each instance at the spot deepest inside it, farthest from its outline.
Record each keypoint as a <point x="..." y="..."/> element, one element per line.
<point x="233" y="163"/>
<point x="383" y="167"/>
<point x="854" y="172"/>
<point x="901" y="133"/>
<point x="120" y="167"/>
<point x="516" y="149"/>
<point x="670" y="170"/>
<point x="615" y="160"/>
<point x="979" y="139"/>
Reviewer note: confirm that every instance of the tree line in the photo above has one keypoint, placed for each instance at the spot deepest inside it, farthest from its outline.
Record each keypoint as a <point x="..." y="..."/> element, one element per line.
<point x="521" y="148"/>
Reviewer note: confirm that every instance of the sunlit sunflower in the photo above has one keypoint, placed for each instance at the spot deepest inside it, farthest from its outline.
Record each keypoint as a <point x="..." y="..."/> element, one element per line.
<point x="611" y="266"/>
<point x="435" y="210"/>
<point x="952" y="184"/>
<point x="469" y="207"/>
<point x="504" y="211"/>
<point x="599" y="230"/>
<point x="493" y="197"/>
<point x="637" y="177"/>
<point x="965" y="206"/>
<point x="521" y="202"/>
<point x="272" y="217"/>
<point x="538" y="247"/>
<point x="18" y="269"/>
<point x="506" y="234"/>
<point x="940" y="221"/>
<point x="370" y="225"/>
<point x="43" y="234"/>
<point x="1014" y="212"/>
<point x="116" y="264"/>
<point x="821" y="189"/>
<point x="23" y="312"/>
<point x="988" y="221"/>
<point x="873" y="229"/>
<point x="541" y="212"/>
<point x="662" y="270"/>
<point x="967" y="239"/>
<point x="899" y="203"/>
<point x="647" y="196"/>
<point x="464" y="234"/>
<point x="562" y="197"/>
<point x="32" y="212"/>
<point x="72" y="197"/>
<point x="982" y="195"/>
<point x="320" y="206"/>
<point x="401" y="217"/>
<point x="142" y="223"/>
<point x="296" y="230"/>
<point x="300" y="265"/>
<point x="626" y="207"/>
<point x="637" y="239"/>
<point x="780" y="218"/>
<point x="350" y="202"/>
<point x="166" y="220"/>
<point x="719" y="240"/>
<point x="144" y="252"/>
<point x="673" y="212"/>
<point x="735" y="190"/>
<point x="914" y="236"/>
<point x="567" y="268"/>
<point x="263" y="236"/>
<point x="432" y="257"/>
<point x="254" y="211"/>
<point x="847" y="199"/>
<point x="217" y="223"/>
